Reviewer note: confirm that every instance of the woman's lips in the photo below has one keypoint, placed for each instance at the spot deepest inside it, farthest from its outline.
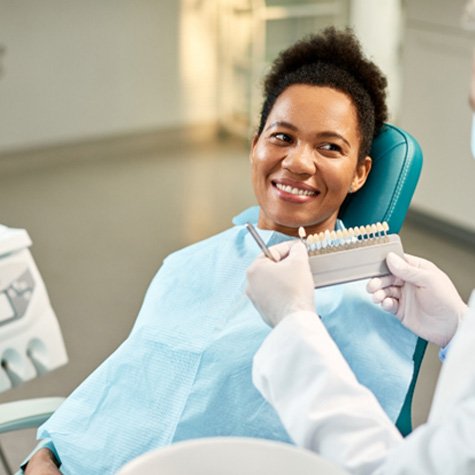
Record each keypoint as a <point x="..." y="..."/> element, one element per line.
<point x="295" y="192"/>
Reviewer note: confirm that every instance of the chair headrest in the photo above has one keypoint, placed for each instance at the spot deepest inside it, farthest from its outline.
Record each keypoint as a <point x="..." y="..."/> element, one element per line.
<point x="387" y="193"/>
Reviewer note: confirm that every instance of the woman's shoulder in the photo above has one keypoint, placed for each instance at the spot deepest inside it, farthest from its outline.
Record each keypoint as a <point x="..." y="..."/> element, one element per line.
<point x="217" y="242"/>
<point x="206" y="246"/>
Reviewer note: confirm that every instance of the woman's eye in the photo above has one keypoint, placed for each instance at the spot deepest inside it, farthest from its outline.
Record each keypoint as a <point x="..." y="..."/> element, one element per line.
<point x="331" y="147"/>
<point x="281" y="137"/>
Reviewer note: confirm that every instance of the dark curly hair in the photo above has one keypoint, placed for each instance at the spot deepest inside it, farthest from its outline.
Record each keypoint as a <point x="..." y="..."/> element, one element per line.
<point x="332" y="58"/>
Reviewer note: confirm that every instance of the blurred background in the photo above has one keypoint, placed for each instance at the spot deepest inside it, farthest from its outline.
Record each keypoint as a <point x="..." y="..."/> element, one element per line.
<point x="124" y="135"/>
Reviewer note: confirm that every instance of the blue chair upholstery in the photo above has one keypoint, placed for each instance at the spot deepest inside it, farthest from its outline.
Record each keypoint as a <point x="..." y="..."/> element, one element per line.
<point x="397" y="163"/>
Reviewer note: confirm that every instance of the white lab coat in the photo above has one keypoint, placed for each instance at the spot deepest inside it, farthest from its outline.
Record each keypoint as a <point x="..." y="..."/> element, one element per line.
<point x="301" y="372"/>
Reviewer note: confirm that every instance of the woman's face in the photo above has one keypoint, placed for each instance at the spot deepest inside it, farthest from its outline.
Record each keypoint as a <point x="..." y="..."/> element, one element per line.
<point x="305" y="161"/>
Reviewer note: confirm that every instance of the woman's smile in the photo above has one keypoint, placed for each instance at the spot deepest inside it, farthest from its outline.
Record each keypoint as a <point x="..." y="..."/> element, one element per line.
<point x="293" y="191"/>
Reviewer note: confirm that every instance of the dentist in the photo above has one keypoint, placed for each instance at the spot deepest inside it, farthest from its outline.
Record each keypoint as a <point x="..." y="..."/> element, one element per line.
<point x="302" y="373"/>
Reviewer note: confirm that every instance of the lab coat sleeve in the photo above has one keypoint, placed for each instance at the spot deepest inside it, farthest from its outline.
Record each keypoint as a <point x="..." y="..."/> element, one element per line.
<point x="445" y="444"/>
<point x="303" y="375"/>
<point x="442" y="448"/>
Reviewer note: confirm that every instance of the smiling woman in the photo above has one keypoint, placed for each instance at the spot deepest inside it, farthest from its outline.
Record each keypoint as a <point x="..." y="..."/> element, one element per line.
<point x="185" y="370"/>
<point x="324" y="103"/>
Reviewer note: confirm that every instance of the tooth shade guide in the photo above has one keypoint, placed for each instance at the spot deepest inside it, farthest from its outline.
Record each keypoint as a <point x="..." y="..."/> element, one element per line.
<point x="361" y="259"/>
<point x="359" y="236"/>
<point x="346" y="255"/>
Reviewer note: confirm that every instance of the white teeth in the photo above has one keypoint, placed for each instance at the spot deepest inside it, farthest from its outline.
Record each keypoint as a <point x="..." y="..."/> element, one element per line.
<point x="328" y="241"/>
<point x="294" y="191"/>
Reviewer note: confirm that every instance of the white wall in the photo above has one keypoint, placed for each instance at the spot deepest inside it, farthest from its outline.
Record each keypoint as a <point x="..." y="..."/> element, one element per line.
<point x="80" y="69"/>
<point x="434" y="108"/>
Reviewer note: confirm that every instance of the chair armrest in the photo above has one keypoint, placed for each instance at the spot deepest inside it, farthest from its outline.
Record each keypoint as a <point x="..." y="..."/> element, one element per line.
<point x="28" y="413"/>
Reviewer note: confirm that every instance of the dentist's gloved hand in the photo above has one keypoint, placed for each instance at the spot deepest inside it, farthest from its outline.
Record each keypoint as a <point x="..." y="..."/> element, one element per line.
<point x="421" y="296"/>
<point x="278" y="289"/>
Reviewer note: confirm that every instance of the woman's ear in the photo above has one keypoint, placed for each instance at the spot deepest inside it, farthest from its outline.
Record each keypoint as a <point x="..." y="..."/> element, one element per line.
<point x="253" y="146"/>
<point x="361" y="174"/>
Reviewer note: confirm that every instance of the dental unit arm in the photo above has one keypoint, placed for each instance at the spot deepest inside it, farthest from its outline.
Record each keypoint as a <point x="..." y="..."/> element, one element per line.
<point x="31" y="343"/>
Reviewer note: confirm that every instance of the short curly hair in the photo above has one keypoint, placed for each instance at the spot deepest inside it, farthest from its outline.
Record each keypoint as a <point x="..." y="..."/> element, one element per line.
<point x="332" y="58"/>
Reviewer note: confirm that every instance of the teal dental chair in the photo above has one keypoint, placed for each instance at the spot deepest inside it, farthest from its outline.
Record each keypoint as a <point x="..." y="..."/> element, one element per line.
<point x="397" y="163"/>
<point x="386" y="195"/>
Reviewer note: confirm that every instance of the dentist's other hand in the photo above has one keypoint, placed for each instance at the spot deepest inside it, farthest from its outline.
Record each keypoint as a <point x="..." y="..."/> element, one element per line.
<point x="421" y="296"/>
<point x="278" y="289"/>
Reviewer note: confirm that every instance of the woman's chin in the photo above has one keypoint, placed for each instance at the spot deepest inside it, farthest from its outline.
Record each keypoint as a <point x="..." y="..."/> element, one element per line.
<point x="289" y="227"/>
<point x="290" y="224"/>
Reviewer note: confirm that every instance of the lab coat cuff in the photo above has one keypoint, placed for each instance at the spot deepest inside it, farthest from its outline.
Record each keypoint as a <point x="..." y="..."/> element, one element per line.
<point x="300" y="317"/>
<point x="292" y="324"/>
<point x="443" y="352"/>
<point x="471" y="304"/>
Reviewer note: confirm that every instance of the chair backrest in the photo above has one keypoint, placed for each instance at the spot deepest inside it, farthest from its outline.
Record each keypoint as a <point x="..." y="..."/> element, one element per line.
<point x="397" y="164"/>
<point x="230" y="456"/>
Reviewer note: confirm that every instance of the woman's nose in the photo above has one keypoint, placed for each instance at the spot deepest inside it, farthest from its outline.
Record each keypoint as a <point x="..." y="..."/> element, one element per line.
<point x="300" y="161"/>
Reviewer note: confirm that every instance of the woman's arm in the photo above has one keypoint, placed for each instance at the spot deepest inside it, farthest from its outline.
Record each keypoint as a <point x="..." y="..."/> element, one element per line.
<point x="42" y="462"/>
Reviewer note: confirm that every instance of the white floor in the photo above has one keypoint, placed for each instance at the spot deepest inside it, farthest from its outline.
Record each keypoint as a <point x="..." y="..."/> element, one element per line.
<point x="103" y="220"/>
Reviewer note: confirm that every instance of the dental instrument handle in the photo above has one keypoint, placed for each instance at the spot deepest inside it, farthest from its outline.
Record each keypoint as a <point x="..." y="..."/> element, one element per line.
<point x="259" y="241"/>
